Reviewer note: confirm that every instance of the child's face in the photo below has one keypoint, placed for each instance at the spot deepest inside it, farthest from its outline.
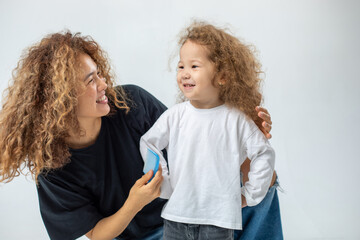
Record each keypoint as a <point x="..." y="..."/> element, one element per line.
<point x="195" y="76"/>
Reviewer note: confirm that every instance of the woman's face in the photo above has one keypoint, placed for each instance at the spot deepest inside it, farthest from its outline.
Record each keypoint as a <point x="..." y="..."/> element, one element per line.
<point x="92" y="101"/>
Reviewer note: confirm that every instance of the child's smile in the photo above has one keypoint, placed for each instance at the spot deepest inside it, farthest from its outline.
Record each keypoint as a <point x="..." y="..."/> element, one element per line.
<point x="188" y="86"/>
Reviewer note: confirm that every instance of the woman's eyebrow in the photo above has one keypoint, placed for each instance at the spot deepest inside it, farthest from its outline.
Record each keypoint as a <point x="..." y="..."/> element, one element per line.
<point x="87" y="76"/>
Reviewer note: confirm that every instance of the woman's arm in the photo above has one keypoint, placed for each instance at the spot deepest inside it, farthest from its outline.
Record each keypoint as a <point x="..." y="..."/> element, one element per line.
<point x="140" y="195"/>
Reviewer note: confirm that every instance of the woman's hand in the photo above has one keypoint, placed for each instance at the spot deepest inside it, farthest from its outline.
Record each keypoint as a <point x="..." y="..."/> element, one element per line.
<point x="143" y="192"/>
<point x="266" y="124"/>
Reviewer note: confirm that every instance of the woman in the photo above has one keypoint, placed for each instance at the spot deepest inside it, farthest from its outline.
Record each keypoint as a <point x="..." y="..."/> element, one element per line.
<point x="78" y="135"/>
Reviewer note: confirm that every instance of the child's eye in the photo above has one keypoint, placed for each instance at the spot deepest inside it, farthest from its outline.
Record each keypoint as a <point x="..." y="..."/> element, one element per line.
<point x="180" y="67"/>
<point x="195" y="66"/>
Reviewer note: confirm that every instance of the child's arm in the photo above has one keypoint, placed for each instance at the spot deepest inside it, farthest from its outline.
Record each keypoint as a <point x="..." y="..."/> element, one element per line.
<point x="245" y="168"/>
<point x="265" y="127"/>
<point x="157" y="139"/>
<point x="262" y="156"/>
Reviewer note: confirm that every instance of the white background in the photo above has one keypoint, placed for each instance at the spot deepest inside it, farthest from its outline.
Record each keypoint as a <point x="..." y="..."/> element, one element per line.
<point x="310" y="51"/>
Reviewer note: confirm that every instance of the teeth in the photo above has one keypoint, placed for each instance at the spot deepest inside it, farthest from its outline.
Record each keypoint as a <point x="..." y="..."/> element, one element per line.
<point x="101" y="99"/>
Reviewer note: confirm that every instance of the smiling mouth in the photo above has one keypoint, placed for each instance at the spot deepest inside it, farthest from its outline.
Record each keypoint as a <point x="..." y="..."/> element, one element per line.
<point x="188" y="85"/>
<point x="101" y="99"/>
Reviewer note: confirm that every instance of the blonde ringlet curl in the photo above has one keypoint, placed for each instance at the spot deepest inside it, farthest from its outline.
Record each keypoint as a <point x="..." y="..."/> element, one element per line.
<point x="38" y="110"/>
<point x="235" y="62"/>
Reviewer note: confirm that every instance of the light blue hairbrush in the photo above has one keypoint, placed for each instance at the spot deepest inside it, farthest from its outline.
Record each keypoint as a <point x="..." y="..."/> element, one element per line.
<point x="152" y="162"/>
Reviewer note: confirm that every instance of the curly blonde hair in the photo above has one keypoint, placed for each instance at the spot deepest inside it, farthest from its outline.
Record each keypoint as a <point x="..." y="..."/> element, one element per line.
<point x="234" y="61"/>
<point x="39" y="106"/>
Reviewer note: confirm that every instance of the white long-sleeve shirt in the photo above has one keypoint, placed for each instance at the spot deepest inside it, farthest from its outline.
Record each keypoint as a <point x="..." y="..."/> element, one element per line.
<point x="206" y="148"/>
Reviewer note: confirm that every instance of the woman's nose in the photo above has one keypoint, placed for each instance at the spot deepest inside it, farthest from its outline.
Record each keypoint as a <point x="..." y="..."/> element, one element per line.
<point x="102" y="85"/>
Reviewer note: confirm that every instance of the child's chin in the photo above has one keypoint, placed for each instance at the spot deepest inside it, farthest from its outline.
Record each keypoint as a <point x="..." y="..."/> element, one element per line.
<point x="188" y="97"/>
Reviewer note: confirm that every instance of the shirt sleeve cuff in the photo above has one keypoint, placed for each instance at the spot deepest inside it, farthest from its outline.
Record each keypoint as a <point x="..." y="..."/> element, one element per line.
<point x="249" y="200"/>
<point x="166" y="188"/>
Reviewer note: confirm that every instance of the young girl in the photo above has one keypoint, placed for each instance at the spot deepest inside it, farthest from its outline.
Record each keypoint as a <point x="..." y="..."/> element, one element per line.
<point x="208" y="138"/>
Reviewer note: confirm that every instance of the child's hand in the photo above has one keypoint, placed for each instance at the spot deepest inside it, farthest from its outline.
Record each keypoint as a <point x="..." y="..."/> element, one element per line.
<point x="245" y="168"/>
<point x="143" y="192"/>
<point x="266" y="124"/>
<point x="243" y="201"/>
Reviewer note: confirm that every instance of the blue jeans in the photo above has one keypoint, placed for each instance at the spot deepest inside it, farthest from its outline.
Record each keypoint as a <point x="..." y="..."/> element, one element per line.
<point x="263" y="220"/>
<point x="184" y="231"/>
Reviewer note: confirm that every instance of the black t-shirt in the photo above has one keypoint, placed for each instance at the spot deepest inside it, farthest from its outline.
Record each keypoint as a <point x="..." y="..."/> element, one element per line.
<point x="97" y="181"/>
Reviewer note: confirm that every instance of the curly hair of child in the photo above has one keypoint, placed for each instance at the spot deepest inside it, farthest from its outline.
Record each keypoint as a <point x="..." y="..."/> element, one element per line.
<point x="234" y="61"/>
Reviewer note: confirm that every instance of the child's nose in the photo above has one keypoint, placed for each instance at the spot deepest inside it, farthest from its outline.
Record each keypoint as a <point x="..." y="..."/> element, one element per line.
<point x="186" y="75"/>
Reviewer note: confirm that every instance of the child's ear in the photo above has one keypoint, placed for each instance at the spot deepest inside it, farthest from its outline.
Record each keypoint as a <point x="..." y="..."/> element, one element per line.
<point x="222" y="79"/>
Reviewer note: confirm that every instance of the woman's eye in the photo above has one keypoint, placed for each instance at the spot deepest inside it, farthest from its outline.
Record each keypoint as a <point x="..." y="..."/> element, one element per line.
<point x="90" y="81"/>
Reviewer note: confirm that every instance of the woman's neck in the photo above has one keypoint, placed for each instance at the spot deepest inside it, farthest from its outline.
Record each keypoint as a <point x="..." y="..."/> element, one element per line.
<point x="89" y="131"/>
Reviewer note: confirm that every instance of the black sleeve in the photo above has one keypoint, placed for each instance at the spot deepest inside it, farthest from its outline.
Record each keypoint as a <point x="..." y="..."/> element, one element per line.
<point x="144" y="107"/>
<point x="67" y="210"/>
